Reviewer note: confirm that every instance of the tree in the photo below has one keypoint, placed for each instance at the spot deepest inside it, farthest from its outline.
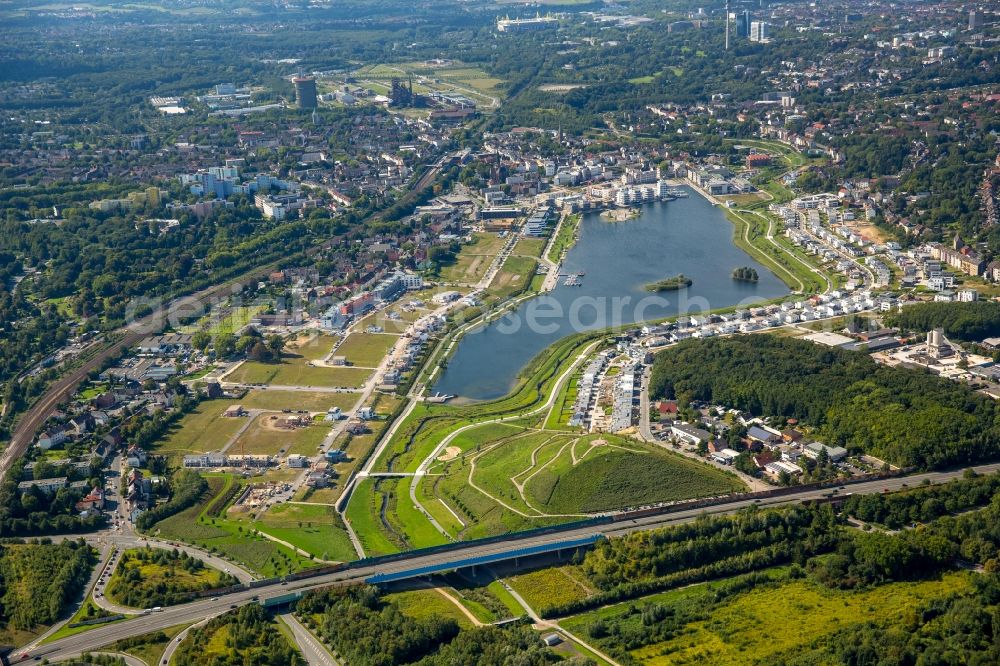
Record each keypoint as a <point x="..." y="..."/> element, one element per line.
<point x="276" y="343"/>
<point x="201" y="340"/>
<point x="225" y="345"/>
<point x="259" y="352"/>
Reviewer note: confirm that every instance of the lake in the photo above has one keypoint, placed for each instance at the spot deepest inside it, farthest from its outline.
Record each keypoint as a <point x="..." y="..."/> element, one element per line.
<point x="686" y="235"/>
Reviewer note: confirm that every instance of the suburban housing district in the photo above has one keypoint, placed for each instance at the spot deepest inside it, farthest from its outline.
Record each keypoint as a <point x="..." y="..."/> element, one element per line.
<point x="271" y="390"/>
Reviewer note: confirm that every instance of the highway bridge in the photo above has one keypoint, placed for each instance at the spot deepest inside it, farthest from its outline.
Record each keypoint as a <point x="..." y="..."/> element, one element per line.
<point x="461" y="555"/>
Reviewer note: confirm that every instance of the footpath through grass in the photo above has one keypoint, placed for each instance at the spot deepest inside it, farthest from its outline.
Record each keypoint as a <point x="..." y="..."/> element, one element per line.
<point x="315" y="528"/>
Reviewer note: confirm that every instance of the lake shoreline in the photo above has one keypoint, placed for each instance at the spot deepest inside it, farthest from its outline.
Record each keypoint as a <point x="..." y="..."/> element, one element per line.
<point x="613" y="263"/>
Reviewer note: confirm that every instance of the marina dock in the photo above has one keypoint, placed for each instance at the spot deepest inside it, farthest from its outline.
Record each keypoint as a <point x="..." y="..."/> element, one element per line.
<point x="572" y="279"/>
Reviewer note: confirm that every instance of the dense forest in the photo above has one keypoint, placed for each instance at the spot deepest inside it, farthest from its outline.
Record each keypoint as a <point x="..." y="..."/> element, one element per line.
<point x="367" y="630"/>
<point x="907" y="417"/>
<point x="38" y="580"/>
<point x="962" y="321"/>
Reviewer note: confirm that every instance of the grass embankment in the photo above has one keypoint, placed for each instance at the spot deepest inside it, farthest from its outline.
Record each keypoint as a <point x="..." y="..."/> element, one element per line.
<point x="751" y="237"/>
<point x="365" y="512"/>
<point x="498" y="478"/>
<point x="428" y="423"/>
<point x="382" y="515"/>
<point x="564" y="238"/>
<point x="751" y="230"/>
<point x="316" y="529"/>
<point x="88" y="610"/>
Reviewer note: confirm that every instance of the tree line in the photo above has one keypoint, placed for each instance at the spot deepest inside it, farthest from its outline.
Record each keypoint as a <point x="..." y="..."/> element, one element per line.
<point x="962" y="321"/>
<point x="366" y="629"/>
<point x="186" y="488"/>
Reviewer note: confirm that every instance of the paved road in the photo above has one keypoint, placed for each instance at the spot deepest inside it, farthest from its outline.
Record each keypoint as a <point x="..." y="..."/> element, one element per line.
<point x="175" y="643"/>
<point x="125" y="541"/>
<point x="191" y="612"/>
<point x="312" y="649"/>
<point x="127" y="658"/>
<point x="99" y="598"/>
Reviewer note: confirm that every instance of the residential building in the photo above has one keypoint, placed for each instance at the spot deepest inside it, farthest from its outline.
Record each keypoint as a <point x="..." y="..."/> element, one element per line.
<point x="689" y="434"/>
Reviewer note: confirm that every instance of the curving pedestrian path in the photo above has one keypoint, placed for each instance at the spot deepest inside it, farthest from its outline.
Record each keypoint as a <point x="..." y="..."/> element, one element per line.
<point x="544" y="407"/>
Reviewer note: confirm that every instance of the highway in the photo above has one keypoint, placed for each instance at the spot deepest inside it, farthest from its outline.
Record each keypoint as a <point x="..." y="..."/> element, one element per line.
<point x="192" y="612"/>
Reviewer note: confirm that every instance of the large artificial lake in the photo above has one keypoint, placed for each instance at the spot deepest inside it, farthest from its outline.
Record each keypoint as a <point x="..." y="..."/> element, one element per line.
<point x="687" y="235"/>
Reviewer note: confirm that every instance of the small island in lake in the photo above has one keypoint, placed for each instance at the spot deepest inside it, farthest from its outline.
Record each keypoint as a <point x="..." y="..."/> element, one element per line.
<point x="745" y="274"/>
<point x="670" y="284"/>
<point x="620" y="214"/>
